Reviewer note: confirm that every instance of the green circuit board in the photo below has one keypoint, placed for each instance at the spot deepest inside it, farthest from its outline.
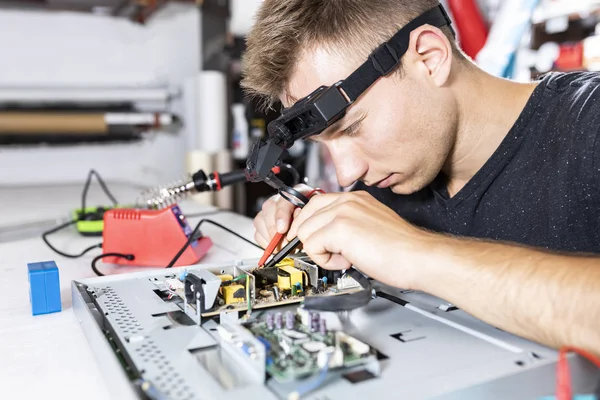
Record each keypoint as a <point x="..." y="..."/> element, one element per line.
<point x="301" y="352"/>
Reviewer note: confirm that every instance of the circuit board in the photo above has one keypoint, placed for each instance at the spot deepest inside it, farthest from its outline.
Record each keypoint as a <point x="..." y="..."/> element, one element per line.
<point x="287" y="283"/>
<point x="299" y="345"/>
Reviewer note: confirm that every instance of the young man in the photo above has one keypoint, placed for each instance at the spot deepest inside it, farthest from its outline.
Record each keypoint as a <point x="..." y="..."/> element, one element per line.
<point x="479" y="190"/>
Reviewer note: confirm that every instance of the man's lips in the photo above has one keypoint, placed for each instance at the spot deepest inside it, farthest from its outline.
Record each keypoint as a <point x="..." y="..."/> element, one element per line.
<point x="382" y="184"/>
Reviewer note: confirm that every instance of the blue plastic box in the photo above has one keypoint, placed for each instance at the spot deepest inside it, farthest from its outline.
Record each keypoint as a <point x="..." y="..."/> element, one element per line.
<point x="44" y="287"/>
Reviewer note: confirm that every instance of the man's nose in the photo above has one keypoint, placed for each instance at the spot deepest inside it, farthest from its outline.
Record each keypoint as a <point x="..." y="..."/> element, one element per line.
<point x="348" y="166"/>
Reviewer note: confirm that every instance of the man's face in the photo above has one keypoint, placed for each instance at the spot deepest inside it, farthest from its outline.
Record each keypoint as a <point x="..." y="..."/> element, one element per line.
<point x="398" y="134"/>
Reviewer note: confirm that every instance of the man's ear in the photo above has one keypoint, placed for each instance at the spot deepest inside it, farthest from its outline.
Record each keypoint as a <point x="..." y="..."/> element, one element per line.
<point x="431" y="53"/>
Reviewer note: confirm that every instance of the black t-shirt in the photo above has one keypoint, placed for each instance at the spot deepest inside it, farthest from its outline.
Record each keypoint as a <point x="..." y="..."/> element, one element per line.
<point x="541" y="187"/>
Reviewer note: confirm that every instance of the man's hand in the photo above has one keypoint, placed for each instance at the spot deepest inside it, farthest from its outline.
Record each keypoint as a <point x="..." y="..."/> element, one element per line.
<point x="275" y="217"/>
<point x="343" y="229"/>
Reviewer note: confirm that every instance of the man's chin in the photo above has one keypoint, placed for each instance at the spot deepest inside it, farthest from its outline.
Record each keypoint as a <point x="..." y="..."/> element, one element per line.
<point x="404" y="188"/>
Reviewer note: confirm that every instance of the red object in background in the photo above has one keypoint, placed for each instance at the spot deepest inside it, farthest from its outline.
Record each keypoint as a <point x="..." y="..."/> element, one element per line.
<point x="570" y="57"/>
<point x="152" y="236"/>
<point x="472" y="29"/>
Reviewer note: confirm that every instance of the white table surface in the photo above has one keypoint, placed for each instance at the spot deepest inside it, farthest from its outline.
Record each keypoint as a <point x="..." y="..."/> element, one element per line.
<point x="48" y="356"/>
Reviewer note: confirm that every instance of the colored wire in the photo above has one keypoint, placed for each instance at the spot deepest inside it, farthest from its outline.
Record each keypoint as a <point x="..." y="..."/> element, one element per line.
<point x="58" y="228"/>
<point x="129" y="257"/>
<point x="169" y="290"/>
<point x="192" y="237"/>
<point x="563" y="378"/>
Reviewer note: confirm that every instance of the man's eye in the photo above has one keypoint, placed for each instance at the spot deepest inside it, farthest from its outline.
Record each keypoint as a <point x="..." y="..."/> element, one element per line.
<point x="352" y="129"/>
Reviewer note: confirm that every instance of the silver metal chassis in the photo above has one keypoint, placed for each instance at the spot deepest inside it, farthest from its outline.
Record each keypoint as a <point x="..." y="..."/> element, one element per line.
<point x="431" y="353"/>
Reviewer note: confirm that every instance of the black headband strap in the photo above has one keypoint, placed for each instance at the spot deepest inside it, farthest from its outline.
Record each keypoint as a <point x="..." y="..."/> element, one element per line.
<point x="387" y="56"/>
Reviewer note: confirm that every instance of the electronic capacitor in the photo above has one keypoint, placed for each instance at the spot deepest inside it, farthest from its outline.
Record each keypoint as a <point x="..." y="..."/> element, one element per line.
<point x="323" y="326"/>
<point x="314" y="322"/>
<point x="289" y="320"/>
<point x="270" y="321"/>
<point x="278" y="321"/>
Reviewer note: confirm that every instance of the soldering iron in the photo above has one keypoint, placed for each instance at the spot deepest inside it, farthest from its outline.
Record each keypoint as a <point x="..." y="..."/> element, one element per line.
<point x="200" y="182"/>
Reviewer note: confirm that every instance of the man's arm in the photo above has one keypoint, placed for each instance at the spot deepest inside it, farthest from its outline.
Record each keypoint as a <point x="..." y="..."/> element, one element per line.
<point x="549" y="298"/>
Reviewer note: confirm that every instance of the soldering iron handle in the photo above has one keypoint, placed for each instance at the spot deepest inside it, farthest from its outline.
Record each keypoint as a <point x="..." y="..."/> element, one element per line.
<point x="233" y="177"/>
<point x="230" y="178"/>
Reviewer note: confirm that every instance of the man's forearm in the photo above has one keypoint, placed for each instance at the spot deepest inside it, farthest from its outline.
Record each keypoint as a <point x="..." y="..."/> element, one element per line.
<point x="549" y="298"/>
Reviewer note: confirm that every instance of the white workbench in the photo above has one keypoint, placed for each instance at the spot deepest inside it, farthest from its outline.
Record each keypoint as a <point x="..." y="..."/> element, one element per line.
<point x="48" y="356"/>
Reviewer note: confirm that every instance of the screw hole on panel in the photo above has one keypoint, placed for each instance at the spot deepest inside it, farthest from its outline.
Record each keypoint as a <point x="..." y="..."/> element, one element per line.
<point x="535" y="355"/>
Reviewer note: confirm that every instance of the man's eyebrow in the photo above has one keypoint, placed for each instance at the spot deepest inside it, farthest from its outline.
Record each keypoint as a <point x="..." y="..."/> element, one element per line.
<point x="330" y="130"/>
<point x="334" y="127"/>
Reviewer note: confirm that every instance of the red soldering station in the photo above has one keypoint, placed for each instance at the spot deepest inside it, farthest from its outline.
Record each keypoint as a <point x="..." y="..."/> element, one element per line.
<point x="154" y="234"/>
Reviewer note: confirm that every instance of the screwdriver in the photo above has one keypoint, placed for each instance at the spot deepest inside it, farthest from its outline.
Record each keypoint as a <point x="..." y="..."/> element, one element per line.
<point x="283" y="253"/>
<point x="270" y="248"/>
<point x="279" y="257"/>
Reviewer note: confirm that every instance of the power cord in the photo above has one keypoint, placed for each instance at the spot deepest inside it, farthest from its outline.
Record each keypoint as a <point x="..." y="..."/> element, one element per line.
<point x="129" y="257"/>
<point x="58" y="228"/>
<point x="82" y="215"/>
<point x="193" y="237"/>
<point x="86" y="188"/>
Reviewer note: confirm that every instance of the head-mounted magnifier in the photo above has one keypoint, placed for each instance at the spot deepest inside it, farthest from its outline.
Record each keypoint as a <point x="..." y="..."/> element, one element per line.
<point x="326" y="105"/>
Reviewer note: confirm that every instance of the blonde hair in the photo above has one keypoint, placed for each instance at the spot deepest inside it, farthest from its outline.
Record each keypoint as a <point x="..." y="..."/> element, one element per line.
<point x="285" y="28"/>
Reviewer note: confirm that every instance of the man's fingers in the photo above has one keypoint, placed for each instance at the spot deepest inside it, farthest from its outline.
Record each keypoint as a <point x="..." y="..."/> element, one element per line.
<point x="286" y="210"/>
<point x="324" y="248"/>
<point x="316" y="203"/>
<point x="261" y="230"/>
<point x="314" y="223"/>
<point x="260" y="240"/>
<point x="283" y="216"/>
<point x="259" y="223"/>
<point x="269" y="211"/>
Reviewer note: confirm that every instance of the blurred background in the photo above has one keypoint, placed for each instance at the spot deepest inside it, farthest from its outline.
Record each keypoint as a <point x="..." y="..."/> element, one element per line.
<point x="147" y="91"/>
